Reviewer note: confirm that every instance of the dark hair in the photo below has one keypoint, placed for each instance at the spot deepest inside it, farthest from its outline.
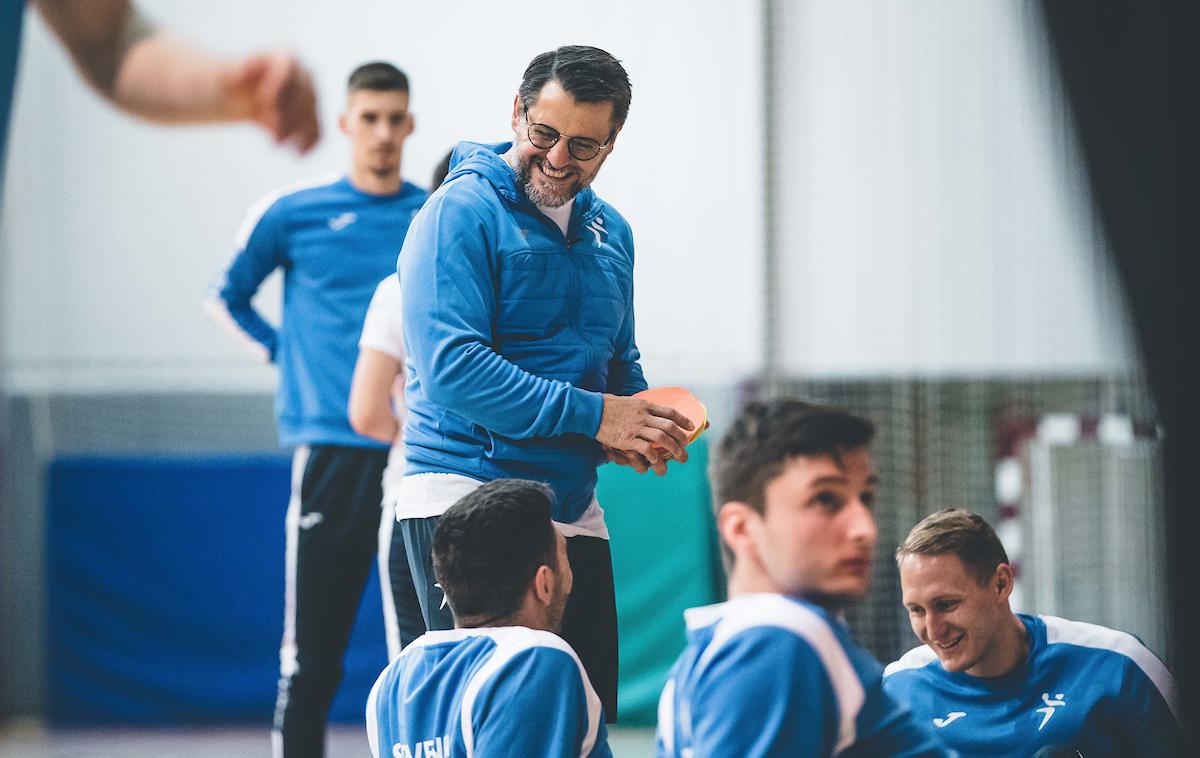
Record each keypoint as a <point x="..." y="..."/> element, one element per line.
<point x="440" y="171"/>
<point x="765" y="436"/>
<point x="587" y="74"/>
<point x="488" y="546"/>
<point x="960" y="532"/>
<point x="378" y="76"/>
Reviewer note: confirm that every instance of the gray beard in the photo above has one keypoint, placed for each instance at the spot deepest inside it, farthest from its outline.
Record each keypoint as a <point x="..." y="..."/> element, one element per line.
<point x="537" y="196"/>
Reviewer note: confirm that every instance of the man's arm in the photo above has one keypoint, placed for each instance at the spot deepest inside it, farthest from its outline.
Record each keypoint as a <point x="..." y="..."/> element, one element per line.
<point x="1149" y="703"/>
<point x="624" y="372"/>
<point x="259" y="251"/>
<point x="152" y="74"/>
<point x="371" y="395"/>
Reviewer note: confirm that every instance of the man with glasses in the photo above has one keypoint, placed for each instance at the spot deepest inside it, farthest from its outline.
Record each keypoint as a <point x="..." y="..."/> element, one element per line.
<point x="517" y="290"/>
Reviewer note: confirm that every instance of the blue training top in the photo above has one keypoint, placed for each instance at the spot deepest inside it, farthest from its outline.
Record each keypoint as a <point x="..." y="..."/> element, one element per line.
<point x="1084" y="687"/>
<point x="512" y="331"/>
<point x="772" y="675"/>
<point x="335" y="244"/>
<point x="500" y="691"/>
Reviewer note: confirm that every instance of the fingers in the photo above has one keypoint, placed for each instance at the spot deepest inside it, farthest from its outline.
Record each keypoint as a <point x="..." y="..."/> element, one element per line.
<point x="667" y="412"/>
<point x="628" y="458"/>
<point x="283" y="96"/>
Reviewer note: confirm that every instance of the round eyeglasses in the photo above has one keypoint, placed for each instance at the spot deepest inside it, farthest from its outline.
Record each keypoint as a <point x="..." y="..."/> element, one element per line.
<point x="545" y="137"/>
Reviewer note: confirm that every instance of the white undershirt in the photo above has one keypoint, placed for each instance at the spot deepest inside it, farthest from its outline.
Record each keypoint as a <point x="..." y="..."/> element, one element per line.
<point x="425" y="495"/>
<point x="560" y="215"/>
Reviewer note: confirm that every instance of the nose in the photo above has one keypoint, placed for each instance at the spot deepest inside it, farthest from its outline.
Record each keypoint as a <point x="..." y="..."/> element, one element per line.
<point x="558" y="156"/>
<point x="860" y="527"/>
<point x="935" y="626"/>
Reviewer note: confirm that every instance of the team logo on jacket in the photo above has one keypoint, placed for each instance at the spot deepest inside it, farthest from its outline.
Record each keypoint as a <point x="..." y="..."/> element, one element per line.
<point x="948" y="719"/>
<point x="1051" y="704"/>
<point x="340" y="222"/>
<point x="596" y="227"/>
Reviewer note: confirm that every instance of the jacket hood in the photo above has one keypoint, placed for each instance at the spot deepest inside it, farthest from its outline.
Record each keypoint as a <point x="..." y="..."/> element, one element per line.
<point x="487" y="160"/>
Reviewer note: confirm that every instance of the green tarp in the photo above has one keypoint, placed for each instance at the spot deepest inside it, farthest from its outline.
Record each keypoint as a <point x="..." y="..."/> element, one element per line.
<point x="665" y="559"/>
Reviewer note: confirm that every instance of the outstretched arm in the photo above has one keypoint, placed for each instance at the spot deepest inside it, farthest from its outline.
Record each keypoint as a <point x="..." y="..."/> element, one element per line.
<point x="152" y="74"/>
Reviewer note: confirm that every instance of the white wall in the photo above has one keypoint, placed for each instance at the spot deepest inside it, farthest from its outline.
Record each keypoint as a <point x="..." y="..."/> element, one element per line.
<point x="933" y="211"/>
<point x="113" y="228"/>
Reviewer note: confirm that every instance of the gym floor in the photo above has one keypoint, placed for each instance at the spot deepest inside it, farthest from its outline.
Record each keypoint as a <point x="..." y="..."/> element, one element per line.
<point x="29" y="739"/>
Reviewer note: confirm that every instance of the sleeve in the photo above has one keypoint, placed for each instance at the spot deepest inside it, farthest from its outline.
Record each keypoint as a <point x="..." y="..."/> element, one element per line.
<point x="624" y="372"/>
<point x="448" y="283"/>
<point x="382" y="326"/>
<point x="373" y="716"/>
<point x="538" y="704"/>
<point x="1147" y="710"/>
<point x="257" y="252"/>
<point x="744" y="701"/>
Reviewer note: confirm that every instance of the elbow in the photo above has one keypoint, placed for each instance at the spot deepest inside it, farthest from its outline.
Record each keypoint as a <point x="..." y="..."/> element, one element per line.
<point x="378" y="426"/>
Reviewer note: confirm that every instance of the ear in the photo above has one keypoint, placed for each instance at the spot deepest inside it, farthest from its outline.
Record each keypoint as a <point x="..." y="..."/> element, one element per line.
<point x="737" y="523"/>
<point x="543" y="585"/>
<point x="410" y="123"/>
<point x="343" y="123"/>
<point x="516" y="114"/>
<point x="613" y="142"/>
<point x="1002" y="580"/>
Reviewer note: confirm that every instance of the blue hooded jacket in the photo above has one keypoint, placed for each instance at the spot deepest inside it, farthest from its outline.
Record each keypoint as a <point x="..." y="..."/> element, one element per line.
<point x="512" y="332"/>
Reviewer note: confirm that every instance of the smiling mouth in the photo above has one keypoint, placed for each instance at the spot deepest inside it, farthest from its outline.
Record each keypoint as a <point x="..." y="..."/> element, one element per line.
<point x="550" y="173"/>
<point x="950" y="644"/>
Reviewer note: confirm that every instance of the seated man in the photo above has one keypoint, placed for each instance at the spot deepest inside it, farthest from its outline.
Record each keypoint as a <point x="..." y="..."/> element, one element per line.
<point x="500" y="683"/>
<point x="774" y="671"/>
<point x="993" y="683"/>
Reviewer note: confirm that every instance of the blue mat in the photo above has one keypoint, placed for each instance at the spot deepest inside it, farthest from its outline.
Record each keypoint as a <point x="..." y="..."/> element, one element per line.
<point x="165" y="593"/>
<point x="165" y="587"/>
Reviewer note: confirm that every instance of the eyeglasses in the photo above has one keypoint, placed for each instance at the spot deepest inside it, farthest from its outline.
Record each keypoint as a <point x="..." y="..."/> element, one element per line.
<point x="545" y="137"/>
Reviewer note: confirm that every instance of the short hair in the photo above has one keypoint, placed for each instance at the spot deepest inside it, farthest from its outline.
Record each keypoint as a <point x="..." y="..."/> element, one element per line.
<point x="441" y="170"/>
<point x="959" y="532"/>
<point x="587" y="74"/>
<point x="378" y="76"/>
<point x="488" y="546"/>
<point x="767" y="435"/>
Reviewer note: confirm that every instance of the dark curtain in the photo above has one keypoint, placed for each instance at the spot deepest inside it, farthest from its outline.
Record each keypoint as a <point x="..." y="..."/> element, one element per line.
<point x="1132" y="76"/>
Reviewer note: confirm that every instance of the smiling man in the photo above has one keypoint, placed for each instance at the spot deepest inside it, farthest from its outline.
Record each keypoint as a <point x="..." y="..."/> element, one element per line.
<point x="334" y="238"/>
<point x="774" y="671"/>
<point x="517" y="290"/>
<point x="993" y="683"/>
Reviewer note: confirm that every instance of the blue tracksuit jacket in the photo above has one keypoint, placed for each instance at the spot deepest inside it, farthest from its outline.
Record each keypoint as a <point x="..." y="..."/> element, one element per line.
<point x="513" y="331"/>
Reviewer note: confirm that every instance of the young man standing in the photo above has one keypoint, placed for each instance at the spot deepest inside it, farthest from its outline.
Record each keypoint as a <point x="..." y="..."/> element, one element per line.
<point x="774" y="671"/>
<point x="517" y="282"/>
<point x="501" y="683"/>
<point x="335" y="239"/>
<point x="991" y="682"/>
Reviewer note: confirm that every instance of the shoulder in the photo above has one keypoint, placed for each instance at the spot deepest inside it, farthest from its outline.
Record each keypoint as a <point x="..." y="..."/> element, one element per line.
<point x="781" y="617"/>
<point x="284" y="199"/>
<point x="468" y="190"/>
<point x="1101" y="640"/>
<point x="915" y="659"/>
<point x="1060" y="631"/>
<point x="779" y="625"/>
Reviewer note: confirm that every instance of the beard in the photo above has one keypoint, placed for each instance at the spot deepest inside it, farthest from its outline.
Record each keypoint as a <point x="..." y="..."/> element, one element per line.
<point x="550" y="194"/>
